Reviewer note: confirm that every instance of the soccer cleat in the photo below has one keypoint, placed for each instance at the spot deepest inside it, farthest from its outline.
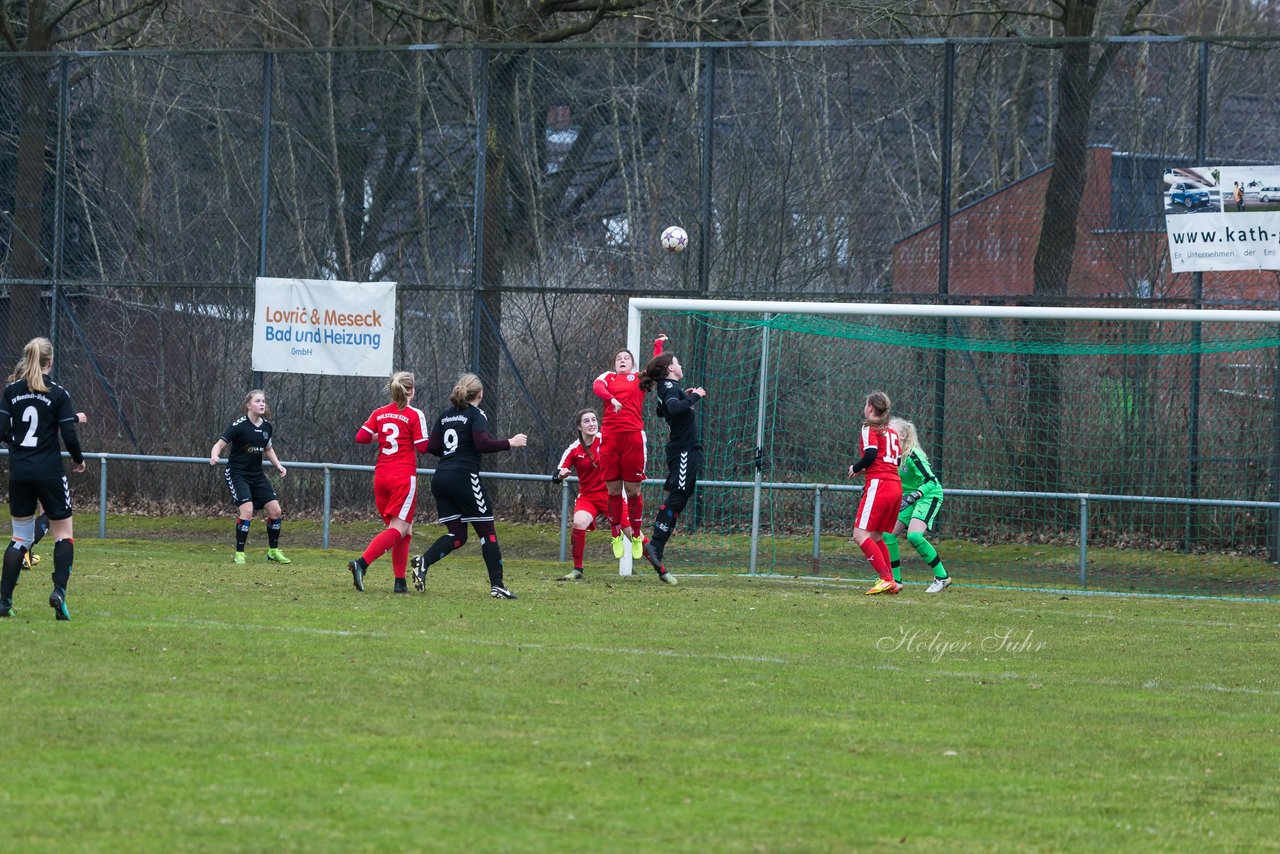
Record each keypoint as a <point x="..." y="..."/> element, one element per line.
<point x="29" y="560"/>
<point x="497" y="591"/>
<point x="6" y="608"/>
<point x="637" y="546"/>
<point x="418" y="567"/>
<point x="239" y="558"/>
<point x="576" y="575"/>
<point x="58" y="602"/>
<point x="277" y="556"/>
<point x="402" y="586"/>
<point x="667" y="578"/>
<point x="938" y="585"/>
<point x="617" y="547"/>
<point x="357" y="568"/>
<point x="882" y="586"/>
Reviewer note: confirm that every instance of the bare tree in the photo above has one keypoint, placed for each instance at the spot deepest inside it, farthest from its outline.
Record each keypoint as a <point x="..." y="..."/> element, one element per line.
<point x="35" y="28"/>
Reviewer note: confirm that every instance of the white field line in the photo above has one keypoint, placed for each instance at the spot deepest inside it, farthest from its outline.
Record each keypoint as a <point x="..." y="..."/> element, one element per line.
<point x="1007" y="676"/>
<point x="1226" y="601"/>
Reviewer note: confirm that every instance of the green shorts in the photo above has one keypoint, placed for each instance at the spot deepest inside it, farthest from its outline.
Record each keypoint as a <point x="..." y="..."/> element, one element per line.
<point x="925" y="509"/>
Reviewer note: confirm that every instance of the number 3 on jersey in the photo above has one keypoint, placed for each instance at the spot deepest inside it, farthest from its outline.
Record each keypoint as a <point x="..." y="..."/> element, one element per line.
<point x="391" y="436"/>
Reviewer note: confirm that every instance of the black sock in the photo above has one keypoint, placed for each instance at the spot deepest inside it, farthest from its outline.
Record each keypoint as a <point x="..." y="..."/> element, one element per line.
<point x="242" y="533"/>
<point x="64" y="553"/>
<point x="663" y="526"/>
<point x="439" y="550"/>
<point x="12" y="568"/>
<point x="273" y="533"/>
<point x="664" y="523"/>
<point x="492" y="560"/>
<point x="42" y="528"/>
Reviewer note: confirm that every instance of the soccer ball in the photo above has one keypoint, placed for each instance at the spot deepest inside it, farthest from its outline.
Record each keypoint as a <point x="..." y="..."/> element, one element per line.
<point x="674" y="239"/>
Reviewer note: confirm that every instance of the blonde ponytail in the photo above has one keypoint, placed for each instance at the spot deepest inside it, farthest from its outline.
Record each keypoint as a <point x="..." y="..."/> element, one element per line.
<point x="37" y="357"/>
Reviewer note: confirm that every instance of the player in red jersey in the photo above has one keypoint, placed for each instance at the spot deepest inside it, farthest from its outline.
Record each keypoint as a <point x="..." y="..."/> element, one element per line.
<point x="582" y="458"/>
<point x="400" y="431"/>
<point x="882" y="496"/>
<point x="622" y="456"/>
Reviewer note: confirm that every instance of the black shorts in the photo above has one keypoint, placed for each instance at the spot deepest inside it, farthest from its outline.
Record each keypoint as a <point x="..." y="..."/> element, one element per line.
<point x="461" y="495"/>
<point x="52" y="493"/>
<point x="249" y="487"/>
<point x="683" y="470"/>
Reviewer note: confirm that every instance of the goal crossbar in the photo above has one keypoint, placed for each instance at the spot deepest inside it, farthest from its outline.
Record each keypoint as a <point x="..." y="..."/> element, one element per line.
<point x="636" y="306"/>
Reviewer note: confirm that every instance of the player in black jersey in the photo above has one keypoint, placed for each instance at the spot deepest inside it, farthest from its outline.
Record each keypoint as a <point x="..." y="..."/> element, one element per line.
<point x="459" y="436"/>
<point x="247" y="440"/>
<point x="684" y="450"/>
<point x="41" y="525"/>
<point x="34" y="413"/>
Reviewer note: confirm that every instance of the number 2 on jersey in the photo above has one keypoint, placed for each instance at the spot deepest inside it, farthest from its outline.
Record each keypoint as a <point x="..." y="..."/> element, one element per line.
<point x="32" y="417"/>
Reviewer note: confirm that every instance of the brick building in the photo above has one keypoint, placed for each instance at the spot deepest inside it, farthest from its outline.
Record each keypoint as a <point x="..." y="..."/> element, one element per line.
<point x="1121" y="245"/>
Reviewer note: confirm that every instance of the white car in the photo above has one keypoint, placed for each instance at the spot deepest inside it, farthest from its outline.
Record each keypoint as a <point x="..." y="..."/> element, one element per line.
<point x="1266" y="195"/>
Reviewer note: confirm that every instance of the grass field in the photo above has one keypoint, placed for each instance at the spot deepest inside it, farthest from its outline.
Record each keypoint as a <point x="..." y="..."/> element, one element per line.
<point x="192" y="705"/>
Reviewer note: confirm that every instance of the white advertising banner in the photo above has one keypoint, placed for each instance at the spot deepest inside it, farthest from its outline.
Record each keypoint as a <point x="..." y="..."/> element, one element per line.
<point x="1223" y="218"/>
<point x="308" y="326"/>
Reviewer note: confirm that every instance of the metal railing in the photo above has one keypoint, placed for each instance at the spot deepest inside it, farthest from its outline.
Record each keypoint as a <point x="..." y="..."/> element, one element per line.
<point x="1083" y="499"/>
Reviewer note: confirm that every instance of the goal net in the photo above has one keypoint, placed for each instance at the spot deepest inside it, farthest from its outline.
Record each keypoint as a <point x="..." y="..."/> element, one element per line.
<point x="1113" y="448"/>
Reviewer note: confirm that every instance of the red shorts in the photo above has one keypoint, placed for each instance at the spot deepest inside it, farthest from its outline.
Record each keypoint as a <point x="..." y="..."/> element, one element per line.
<point x="622" y="456"/>
<point x="596" y="505"/>
<point x="878" y="509"/>
<point x="396" y="496"/>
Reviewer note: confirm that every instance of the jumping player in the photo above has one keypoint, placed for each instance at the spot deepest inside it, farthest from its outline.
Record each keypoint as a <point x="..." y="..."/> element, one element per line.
<point x="248" y="440"/>
<point x="921" y="501"/>
<point x="882" y="496"/>
<point x="684" y="451"/>
<point x="459" y="436"/>
<point x="34" y="413"/>
<point x="400" y="432"/>
<point x="622" y="457"/>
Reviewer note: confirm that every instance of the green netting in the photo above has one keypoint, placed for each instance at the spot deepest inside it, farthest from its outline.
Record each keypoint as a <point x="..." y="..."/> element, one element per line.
<point x="1019" y="336"/>
<point x="1140" y="418"/>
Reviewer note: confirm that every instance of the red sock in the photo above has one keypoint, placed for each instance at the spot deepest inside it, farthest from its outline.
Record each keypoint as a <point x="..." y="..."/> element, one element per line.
<point x="879" y="559"/>
<point x="884" y="552"/>
<point x="635" y="509"/>
<point x="400" y="557"/>
<point x="615" y="514"/>
<point x="380" y="545"/>
<point x="579" y="538"/>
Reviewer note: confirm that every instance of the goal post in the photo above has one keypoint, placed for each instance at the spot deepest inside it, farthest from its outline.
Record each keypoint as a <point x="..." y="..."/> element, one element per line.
<point x="1027" y="409"/>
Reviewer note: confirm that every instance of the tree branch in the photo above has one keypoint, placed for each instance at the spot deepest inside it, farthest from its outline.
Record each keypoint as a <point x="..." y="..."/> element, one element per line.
<point x="569" y="31"/>
<point x="1128" y="27"/>
<point x="137" y="7"/>
<point x="54" y="20"/>
<point x="6" y="29"/>
<point x="402" y="11"/>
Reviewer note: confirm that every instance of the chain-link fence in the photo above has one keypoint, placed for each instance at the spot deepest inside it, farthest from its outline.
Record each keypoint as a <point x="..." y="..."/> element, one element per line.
<point x="516" y="194"/>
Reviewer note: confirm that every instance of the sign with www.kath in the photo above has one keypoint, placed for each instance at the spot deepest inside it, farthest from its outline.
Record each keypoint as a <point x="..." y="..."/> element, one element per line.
<point x="1223" y="218"/>
<point x="308" y="326"/>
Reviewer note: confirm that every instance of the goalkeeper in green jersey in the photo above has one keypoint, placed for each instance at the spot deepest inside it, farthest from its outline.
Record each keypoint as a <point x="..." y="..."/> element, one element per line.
<point x="921" y="501"/>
